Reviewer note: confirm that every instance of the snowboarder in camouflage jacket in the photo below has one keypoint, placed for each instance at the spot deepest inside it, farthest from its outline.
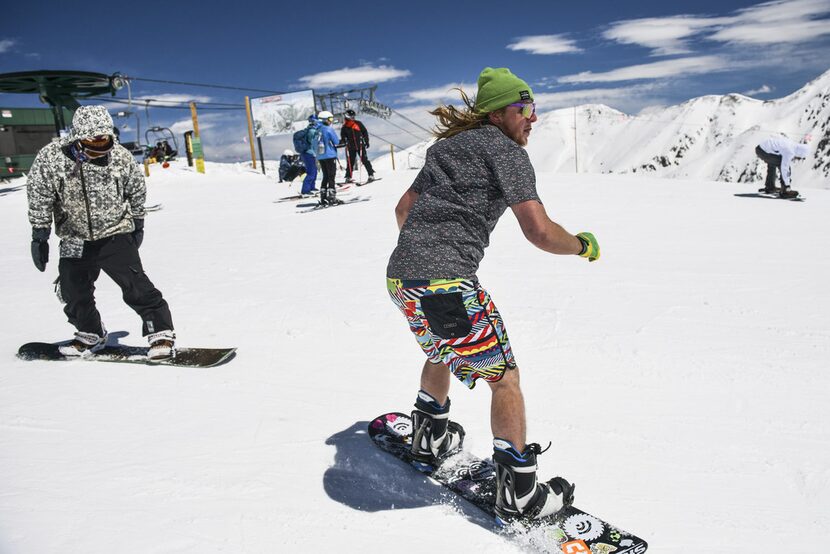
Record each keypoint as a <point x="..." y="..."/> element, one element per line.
<point x="93" y="190"/>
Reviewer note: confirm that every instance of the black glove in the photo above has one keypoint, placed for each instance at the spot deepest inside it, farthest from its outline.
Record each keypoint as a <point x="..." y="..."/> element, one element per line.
<point x="138" y="233"/>
<point x="40" y="246"/>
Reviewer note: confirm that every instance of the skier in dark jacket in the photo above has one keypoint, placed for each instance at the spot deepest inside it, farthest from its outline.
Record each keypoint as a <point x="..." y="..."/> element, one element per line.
<point x="93" y="190"/>
<point x="291" y="166"/>
<point x="475" y="170"/>
<point x="355" y="137"/>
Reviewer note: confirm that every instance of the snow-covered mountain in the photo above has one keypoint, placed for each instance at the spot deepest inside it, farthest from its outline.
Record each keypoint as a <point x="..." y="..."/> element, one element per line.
<point x="710" y="137"/>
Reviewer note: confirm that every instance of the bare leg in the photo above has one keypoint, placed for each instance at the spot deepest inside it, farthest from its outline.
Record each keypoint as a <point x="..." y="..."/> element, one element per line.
<point x="507" y="410"/>
<point x="435" y="379"/>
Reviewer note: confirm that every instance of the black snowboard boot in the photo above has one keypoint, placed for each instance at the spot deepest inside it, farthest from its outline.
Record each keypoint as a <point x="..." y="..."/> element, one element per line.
<point x="434" y="436"/>
<point x="518" y="494"/>
<point x="788" y="193"/>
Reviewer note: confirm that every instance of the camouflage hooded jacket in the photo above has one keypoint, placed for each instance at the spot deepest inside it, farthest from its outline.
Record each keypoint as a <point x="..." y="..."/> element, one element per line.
<point x="88" y="200"/>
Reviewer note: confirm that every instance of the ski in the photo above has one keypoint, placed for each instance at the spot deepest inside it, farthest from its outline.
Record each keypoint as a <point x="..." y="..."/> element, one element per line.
<point x="364" y="183"/>
<point x="309" y="207"/>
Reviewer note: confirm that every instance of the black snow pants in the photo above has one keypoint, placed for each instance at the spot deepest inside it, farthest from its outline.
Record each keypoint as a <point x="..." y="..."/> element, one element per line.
<point x="329" y="167"/>
<point x="118" y="257"/>
<point x="773" y="162"/>
<point x="352" y="158"/>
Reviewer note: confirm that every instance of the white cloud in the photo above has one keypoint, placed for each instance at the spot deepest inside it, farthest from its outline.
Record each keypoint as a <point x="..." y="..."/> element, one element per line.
<point x="437" y="94"/>
<point x="779" y="21"/>
<point x="609" y="96"/>
<point x="170" y="99"/>
<point x="545" y="44"/>
<point x="6" y="45"/>
<point x="667" y="68"/>
<point x="761" y="90"/>
<point x="353" y="76"/>
<point x="664" y="35"/>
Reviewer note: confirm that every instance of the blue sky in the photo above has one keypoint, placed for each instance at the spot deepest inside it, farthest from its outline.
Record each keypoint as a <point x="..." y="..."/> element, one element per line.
<point x="629" y="55"/>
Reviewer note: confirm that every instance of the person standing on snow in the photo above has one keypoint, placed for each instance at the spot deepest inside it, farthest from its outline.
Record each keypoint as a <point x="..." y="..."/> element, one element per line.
<point x="308" y="150"/>
<point x="355" y="137"/>
<point x="778" y="153"/>
<point x="327" y="154"/>
<point x="94" y="190"/>
<point x="474" y="171"/>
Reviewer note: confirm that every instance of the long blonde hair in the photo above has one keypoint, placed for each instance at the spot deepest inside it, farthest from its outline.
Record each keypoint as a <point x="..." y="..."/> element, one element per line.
<point x="452" y="121"/>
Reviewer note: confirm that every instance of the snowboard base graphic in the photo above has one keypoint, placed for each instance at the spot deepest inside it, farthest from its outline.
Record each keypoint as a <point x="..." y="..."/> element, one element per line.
<point x="570" y="531"/>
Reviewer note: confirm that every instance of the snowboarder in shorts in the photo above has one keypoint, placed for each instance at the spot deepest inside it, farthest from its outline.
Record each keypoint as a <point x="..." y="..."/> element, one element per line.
<point x="473" y="172"/>
<point x="327" y="155"/>
<point x="778" y="153"/>
<point x="94" y="191"/>
<point x="355" y="137"/>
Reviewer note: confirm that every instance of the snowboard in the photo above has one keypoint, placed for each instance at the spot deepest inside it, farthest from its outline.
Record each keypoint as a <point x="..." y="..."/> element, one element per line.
<point x="316" y="206"/>
<point x="570" y="530"/>
<point x="772" y="196"/>
<point x="185" y="357"/>
<point x="364" y="183"/>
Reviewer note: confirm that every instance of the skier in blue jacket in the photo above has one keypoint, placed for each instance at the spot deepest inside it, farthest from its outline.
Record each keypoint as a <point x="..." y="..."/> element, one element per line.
<point x="327" y="155"/>
<point x="310" y="155"/>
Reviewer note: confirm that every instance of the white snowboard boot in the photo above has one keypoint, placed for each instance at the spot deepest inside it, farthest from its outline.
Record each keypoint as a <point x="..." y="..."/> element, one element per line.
<point x="84" y="344"/>
<point x="161" y="345"/>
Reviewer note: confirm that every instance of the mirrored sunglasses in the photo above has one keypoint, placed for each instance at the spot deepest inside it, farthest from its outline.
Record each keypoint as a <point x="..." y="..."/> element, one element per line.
<point x="527" y="109"/>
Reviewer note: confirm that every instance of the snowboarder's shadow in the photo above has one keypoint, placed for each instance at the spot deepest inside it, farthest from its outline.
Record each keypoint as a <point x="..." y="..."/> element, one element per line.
<point x="365" y="478"/>
<point x="113" y="338"/>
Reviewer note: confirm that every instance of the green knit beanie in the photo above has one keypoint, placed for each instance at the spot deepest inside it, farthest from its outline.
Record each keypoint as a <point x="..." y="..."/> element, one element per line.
<point x="498" y="87"/>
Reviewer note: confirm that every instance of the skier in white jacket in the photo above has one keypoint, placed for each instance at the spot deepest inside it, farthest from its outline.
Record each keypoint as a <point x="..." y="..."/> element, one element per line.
<point x="778" y="152"/>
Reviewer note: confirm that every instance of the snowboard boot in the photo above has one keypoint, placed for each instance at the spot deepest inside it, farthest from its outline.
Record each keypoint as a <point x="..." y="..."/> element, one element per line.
<point x="161" y="345"/>
<point x="434" y="436"/>
<point x="518" y="494"/>
<point x="772" y="190"/>
<point x="84" y="344"/>
<point x="788" y="193"/>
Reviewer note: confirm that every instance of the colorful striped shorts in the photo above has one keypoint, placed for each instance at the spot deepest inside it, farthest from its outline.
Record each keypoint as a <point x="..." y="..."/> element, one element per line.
<point x="455" y="322"/>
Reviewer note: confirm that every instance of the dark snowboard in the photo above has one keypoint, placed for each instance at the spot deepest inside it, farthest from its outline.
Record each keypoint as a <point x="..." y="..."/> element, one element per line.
<point x="570" y="530"/>
<point x="773" y="196"/>
<point x="364" y="183"/>
<point x="185" y="357"/>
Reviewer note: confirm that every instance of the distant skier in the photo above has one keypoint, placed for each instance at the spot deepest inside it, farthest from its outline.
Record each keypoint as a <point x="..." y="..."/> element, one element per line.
<point x="327" y="154"/>
<point x="291" y="166"/>
<point x="305" y="143"/>
<point x="778" y="153"/>
<point x="475" y="170"/>
<point x="94" y="190"/>
<point x="355" y="137"/>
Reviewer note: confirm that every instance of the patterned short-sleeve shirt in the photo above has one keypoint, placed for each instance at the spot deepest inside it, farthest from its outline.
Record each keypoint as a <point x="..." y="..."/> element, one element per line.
<point x="466" y="184"/>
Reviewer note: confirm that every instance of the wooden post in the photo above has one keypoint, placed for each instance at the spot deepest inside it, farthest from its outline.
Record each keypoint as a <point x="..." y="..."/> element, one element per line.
<point x="199" y="154"/>
<point x="251" y="134"/>
<point x="146" y="167"/>
<point x="392" y="152"/>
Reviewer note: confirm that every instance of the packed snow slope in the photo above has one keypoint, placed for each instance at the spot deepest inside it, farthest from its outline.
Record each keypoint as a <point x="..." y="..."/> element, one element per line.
<point x="710" y="137"/>
<point x="682" y="378"/>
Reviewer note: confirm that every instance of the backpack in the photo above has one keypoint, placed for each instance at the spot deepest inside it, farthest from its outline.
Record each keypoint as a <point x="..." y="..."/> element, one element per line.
<point x="301" y="141"/>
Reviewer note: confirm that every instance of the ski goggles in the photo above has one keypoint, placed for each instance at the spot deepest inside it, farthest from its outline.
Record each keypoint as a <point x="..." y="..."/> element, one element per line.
<point x="527" y="109"/>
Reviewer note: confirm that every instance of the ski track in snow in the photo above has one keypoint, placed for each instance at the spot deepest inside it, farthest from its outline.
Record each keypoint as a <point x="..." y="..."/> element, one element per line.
<point x="682" y="377"/>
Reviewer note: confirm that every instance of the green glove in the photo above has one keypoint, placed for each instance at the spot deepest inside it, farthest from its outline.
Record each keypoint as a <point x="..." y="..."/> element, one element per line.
<point x="590" y="246"/>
